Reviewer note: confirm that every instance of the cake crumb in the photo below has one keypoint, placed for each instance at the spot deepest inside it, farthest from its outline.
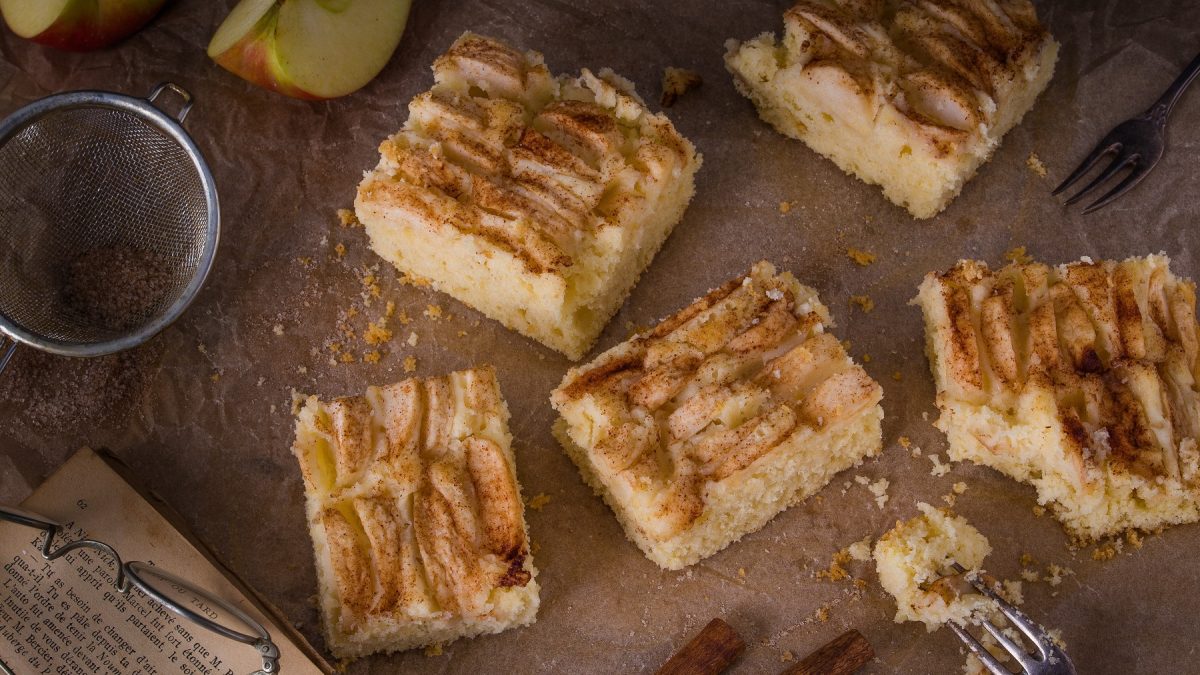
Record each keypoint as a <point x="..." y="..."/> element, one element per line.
<point x="389" y="309"/>
<point x="905" y="442"/>
<point x="261" y="381"/>
<point x="836" y="572"/>
<point x="866" y="358"/>
<point x="959" y="488"/>
<point x="277" y="329"/>
<point x="939" y="469"/>
<point x="1026" y="560"/>
<point x="539" y="500"/>
<point x="434" y="649"/>
<point x="1055" y="574"/>
<point x="410" y="364"/>
<point x="1013" y="592"/>
<point x="370" y="284"/>
<point x="1018" y="255"/>
<point x="879" y="489"/>
<point x="1030" y="575"/>
<point x="340" y="250"/>
<point x="863" y="302"/>
<point x="860" y="257"/>
<point x="860" y="550"/>
<point x="412" y="339"/>
<point x="786" y="657"/>
<point x="784" y="207"/>
<point x="1035" y="165"/>
<point x="1105" y="552"/>
<point x="1134" y="539"/>
<point x="372" y="356"/>
<point x="742" y="572"/>
<point x="215" y="377"/>
<point x="377" y="333"/>
<point x="433" y="312"/>
<point x="822" y="614"/>
<point x="1039" y="510"/>
<point x="676" y="82"/>
<point x="347" y="218"/>
<point x="897" y="376"/>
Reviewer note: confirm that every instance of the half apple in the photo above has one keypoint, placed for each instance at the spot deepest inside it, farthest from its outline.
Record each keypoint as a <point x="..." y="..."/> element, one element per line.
<point x="78" y="25"/>
<point x="310" y="49"/>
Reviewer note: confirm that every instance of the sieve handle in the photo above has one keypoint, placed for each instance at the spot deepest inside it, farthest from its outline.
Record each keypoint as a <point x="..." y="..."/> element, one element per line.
<point x="179" y="91"/>
<point x="8" y="352"/>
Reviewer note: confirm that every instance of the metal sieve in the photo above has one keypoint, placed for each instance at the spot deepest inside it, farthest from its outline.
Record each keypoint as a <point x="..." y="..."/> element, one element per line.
<point x="105" y="202"/>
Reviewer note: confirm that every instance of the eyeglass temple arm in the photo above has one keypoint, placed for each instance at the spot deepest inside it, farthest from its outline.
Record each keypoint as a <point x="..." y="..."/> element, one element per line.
<point x="121" y="582"/>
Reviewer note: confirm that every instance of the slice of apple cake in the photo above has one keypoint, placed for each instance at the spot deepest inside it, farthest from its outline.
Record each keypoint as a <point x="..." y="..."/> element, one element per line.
<point x="415" y="514"/>
<point x="911" y="96"/>
<point x="537" y="200"/>
<point x="728" y="412"/>
<point x="1079" y="379"/>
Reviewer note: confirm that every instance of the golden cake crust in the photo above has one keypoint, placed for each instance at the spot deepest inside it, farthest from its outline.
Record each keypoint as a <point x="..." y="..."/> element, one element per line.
<point x="558" y="189"/>
<point x="1095" y="364"/>
<point x="670" y="415"/>
<point x="911" y="95"/>
<point x="415" y="510"/>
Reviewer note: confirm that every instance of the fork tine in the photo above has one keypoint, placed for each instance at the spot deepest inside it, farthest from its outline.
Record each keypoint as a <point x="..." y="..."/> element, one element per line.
<point x="1027" y="626"/>
<point x="990" y="662"/>
<point x="1014" y="649"/>
<point x="1121" y="162"/>
<point x="1139" y="172"/>
<point x="1086" y="165"/>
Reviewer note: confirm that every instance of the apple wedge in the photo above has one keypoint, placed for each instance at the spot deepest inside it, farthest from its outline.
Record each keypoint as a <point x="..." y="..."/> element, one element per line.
<point x="78" y="25"/>
<point x="310" y="49"/>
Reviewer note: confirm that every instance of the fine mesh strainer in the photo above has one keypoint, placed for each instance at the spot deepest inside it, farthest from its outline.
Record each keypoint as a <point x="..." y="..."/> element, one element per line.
<point x="108" y="222"/>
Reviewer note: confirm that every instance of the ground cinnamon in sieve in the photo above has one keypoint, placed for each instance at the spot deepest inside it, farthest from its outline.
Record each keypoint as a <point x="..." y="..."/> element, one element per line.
<point x="118" y="288"/>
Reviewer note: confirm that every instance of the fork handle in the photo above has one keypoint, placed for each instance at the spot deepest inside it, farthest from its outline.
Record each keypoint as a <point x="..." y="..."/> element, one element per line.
<point x="1162" y="107"/>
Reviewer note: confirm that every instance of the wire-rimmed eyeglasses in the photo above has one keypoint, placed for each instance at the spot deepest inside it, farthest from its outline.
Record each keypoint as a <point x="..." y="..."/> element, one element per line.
<point x="165" y="588"/>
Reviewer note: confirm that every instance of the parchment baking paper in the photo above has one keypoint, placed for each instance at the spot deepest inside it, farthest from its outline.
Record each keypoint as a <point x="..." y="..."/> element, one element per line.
<point x="211" y="427"/>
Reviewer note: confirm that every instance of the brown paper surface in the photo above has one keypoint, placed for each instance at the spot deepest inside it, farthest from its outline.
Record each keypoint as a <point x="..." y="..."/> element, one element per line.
<point x="209" y="426"/>
<point x="65" y="615"/>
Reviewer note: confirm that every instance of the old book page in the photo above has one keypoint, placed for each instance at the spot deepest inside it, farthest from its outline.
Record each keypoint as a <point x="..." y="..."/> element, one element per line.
<point x="65" y="617"/>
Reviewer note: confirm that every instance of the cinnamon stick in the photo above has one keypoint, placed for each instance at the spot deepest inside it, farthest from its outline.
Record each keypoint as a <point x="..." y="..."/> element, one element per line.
<point x="843" y="656"/>
<point x="709" y="653"/>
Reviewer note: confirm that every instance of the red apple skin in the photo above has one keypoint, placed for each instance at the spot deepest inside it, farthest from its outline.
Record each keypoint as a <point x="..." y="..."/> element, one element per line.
<point x="252" y="59"/>
<point x="88" y="25"/>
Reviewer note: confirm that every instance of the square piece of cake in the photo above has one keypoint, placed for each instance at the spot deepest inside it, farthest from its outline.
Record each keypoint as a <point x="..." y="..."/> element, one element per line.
<point x="1079" y="379"/>
<point x="536" y="200"/>
<point x="416" y="514"/>
<point x="910" y="96"/>
<point x="728" y="412"/>
<point x="912" y="557"/>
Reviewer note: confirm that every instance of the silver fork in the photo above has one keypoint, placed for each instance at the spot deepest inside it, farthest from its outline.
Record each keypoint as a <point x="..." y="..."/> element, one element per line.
<point x="1047" y="659"/>
<point x="1138" y="144"/>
